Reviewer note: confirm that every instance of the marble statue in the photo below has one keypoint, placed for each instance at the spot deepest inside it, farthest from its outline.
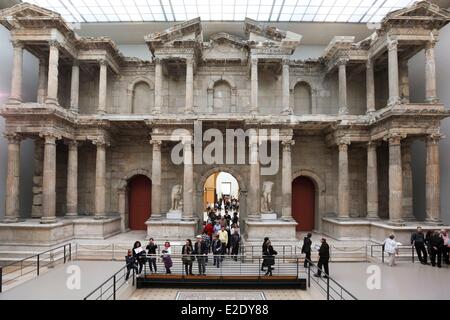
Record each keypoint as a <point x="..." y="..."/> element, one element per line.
<point x="266" y="198"/>
<point x="177" y="197"/>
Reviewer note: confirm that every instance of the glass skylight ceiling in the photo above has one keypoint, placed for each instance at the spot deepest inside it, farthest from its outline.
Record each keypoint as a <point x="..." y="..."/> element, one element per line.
<point x="356" y="11"/>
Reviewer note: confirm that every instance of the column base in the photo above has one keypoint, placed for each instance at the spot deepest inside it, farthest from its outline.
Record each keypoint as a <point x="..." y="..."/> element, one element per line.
<point x="343" y="110"/>
<point x="435" y="222"/>
<point x="286" y="112"/>
<point x="373" y="218"/>
<point x="48" y="220"/>
<point x="343" y="218"/>
<point x="10" y="220"/>
<point x="397" y="222"/>
<point x="51" y="101"/>
<point x="14" y="101"/>
<point x="100" y="217"/>
<point x="432" y="100"/>
<point x="156" y="112"/>
<point x="101" y="112"/>
<point x="75" y="111"/>
<point x="394" y="101"/>
<point x="189" y="111"/>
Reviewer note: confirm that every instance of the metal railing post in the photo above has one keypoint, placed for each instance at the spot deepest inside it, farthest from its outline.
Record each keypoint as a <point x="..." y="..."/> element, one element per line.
<point x="298" y="261"/>
<point x="328" y="287"/>
<point x="1" y="278"/>
<point x="37" y="265"/>
<point x="412" y="253"/>
<point x="70" y="252"/>
<point x="114" y="287"/>
<point x="309" y="274"/>
<point x="64" y="253"/>
<point x="382" y="254"/>
<point x="133" y="276"/>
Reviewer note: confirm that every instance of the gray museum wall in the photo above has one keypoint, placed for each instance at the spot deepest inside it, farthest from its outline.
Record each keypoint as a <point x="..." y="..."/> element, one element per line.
<point x="417" y="83"/>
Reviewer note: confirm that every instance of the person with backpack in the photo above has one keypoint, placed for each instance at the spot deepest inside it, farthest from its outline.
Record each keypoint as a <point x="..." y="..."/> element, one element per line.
<point x="131" y="263"/>
<point x="306" y="249"/>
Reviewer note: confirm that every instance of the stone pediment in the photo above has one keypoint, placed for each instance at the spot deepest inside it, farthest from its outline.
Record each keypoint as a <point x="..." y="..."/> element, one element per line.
<point x="188" y="32"/>
<point x="421" y="13"/>
<point x="225" y="47"/>
<point x="270" y="36"/>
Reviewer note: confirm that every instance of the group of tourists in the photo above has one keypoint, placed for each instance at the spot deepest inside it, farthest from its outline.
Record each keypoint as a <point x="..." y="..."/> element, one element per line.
<point x="433" y="243"/>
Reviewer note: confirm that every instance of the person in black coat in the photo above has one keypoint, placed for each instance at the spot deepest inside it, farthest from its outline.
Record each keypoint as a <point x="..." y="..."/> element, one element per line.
<point x="306" y="249"/>
<point x="151" y="251"/>
<point x="201" y="253"/>
<point x="418" y="241"/>
<point x="269" y="258"/>
<point x="436" y="244"/>
<point x="324" y="258"/>
<point x="131" y="263"/>
<point x="216" y="248"/>
<point x="187" y="257"/>
<point x="264" y="248"/>
<point x="140" y="256"/>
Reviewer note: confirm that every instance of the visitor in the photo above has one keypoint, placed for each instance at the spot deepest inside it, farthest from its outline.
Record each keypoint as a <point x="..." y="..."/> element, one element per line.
<point x="235" y="219"/>
<point x="418" y="241"/>
<point x="428" y="236"/>
<point x="187" y="257"/>
<point x="324" y="258"/>
<point x="446" y="246"/>
<point x="306" y="249"/>
<point x="139" y="254"/>
<point x="216" y="250"/>
<point x="131" y="264"/>
<point x="207" y="241"/>
<point x="208" y="229"/>
<point x="151" y="252"/>
<point x="436" y="245"/>
<point x="201" y="252"/>
<point x="227" y="218"/>
<point x="269" y="258"/>
<point x="212" y="217"/>
<point x="391" y="247"/>
<point x="223" y="237"/>
<point x="264" y="248"/>
<point x="217" y="227"/>
<point x="228" y="230"/>
<point x="166" y="256"/>
<point x="235" y="240"/>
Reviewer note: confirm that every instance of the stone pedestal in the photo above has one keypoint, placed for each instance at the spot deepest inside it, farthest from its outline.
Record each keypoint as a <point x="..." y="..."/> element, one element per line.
<point x="269" y="216"/>
<point x="171" y="229"/>
<point x="276" y="230"/>
<point x="91" y="228"/>
<point x="174" y="215"/>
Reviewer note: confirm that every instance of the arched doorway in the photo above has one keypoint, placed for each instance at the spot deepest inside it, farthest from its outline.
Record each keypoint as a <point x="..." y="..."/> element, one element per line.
<point x="139" y="201"/>
<point x="303" y="203"/>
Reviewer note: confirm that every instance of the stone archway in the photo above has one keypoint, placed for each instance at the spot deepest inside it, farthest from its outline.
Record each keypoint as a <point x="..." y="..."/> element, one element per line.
<point x="122" y="193"/>
<point x="319" y="202"/>
<point x="202" y="177"/>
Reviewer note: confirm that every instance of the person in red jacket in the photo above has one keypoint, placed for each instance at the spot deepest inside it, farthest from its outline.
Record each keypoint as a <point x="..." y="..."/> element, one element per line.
<point x="208" y="229"/>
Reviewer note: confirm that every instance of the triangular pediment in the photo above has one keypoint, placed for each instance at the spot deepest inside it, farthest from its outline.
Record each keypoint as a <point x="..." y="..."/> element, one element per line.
<point x="422" y="10"/>
<point x="224" y="46"/>
<point x="27" y="10"/>
<point x="190" y="30"/>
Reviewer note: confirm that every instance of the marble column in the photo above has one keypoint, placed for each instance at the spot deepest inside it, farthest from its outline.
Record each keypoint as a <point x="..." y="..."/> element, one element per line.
<point x="254" y="86"/>
<point x="17" y="71"/>
<point x="404" y="81"/>
<point x="52" y="84"/>
<point x="394" y="97"/>
<point x="188" y="181"/>
<point x="370" y="86"/>
<point x="72" y="179"/>
<point x="158" y="87"/>
<point x="285" y="87"/>
<point x="430" y="74"/>
<point x="372" y="181"/>
<point x="189" y="85"/>
<point x="343" y="181"/>
<point x="12" y="203"/>
<point x="49" y="179"/>
<point x="286" y="180"/>
<point x="75" y="87"/>
<point x="122" y="204"/>
<point x="100" y="179"/>
<point x="407" y="213"/>
<point x="36" y="210"/>
<point x="254" y="193"/>
<point x="395" y="179"/>
<point x="42" y="81"/>
<point x="433" y="205"/>
<point x="343" y="107"/>
<point x="102" y="86"/>
<point x="156" y="179"/>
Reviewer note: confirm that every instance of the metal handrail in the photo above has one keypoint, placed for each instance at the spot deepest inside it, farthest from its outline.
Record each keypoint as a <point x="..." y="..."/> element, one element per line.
<point x="114" y="279"/>
<point x="411" y="247"/>
<point x="327" y="281"/>
<point x="35" y="260"/>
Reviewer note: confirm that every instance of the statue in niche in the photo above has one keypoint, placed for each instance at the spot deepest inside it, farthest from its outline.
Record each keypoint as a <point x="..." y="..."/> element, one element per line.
<point x="177" y="196"/>
<point x="266" y="198"/>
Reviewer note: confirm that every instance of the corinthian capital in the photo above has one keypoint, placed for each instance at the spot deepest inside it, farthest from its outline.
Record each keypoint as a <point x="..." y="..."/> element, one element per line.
<point x="17" y="44"/>
<point x="156" y="144"/>
<point x="100" y="141"/>
<point x="434" y="138"/>
<point x="13" y="137"/>
<point x="342" y="61"/>
<point x="53" y="43"/>
<point x="395" y="138"/>
<point x="392" y="44"/>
